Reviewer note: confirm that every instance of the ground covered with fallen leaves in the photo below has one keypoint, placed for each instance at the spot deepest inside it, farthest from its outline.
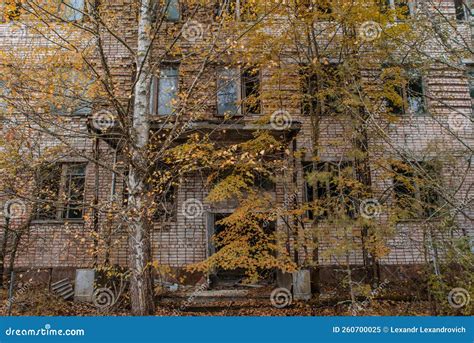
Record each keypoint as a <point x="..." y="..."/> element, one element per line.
<point x="40" y="302"/>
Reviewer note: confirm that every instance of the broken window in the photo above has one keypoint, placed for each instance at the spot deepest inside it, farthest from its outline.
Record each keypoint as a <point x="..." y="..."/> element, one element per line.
<point x="415" y="189"/>
<point x="164" y="91"/>
<point x="60" y="191"/>
<point x="172" y="10"/>
<point x="238" y="91"/>
<point x="408" y="93"/>
<point x="327" y="189"/>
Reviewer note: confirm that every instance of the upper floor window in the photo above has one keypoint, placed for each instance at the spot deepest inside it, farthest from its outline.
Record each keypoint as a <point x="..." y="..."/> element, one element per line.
<point x="164" y="91"/>
<point x="72" y="10"/>
<point x="238" y="91"/>
<point x="415" y="189"/>
<point x="9" y="10"/>
<point x="72" y="93"/>
<point x="404" y="8"/>
<point x="462" y="9"/>
<point x="60" y="191"/>
<point x="408" y="94"/>
<point x="172" y="10"/>
<point x="239" y="9"/>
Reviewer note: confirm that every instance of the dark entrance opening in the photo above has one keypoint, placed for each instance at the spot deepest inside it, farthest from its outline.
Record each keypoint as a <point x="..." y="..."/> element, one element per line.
<point x="229" y="278"/>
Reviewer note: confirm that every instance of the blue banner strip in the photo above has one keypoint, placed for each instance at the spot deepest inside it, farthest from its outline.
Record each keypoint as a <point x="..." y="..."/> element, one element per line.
<point x="237" y="329"/>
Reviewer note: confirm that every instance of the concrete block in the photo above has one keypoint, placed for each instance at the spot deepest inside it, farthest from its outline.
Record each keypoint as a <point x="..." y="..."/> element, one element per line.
<point x="84" y="285"/>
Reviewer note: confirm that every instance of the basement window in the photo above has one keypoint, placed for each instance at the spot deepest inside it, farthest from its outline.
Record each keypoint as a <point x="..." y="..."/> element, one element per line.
<point x="164" y="91"/>
<point x="415" y="190"/>
<point x="60" y="192"/>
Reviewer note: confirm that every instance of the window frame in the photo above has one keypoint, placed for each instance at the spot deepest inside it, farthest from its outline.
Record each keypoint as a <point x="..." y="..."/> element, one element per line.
<point x="461" y="10"/>
<point x="77" y="14"/>
<point x="166" y="8"/>
<point x="394" y="5"/>
<point x="62" y="182"/>
<point x="335" y="168"/>
<point x="420" y="192"/>
<point x="156" y="88"/>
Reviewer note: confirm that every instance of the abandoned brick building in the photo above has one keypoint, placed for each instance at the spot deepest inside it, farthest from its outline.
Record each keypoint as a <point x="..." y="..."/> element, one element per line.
<point x="61" y="242"/>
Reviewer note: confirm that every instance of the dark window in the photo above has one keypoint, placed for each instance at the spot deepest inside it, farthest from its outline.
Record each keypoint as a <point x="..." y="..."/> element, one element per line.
<point x="326" y="187"/>
<point x="264" y="182"/>
<point x="238" y="91"/>
<point x="48" y="191"/>
<point x="251" y="90"/>
<point x="166" y="205"/>
<point x="238" y="9"/>
<point x="172" y="10"/>
<point x="309" y="90"/>
<point x="329" y="91"/>
<point x="164" y="91"/>
<point x="415" y="189"/>
<point x="61" y="191"/>
<point x="75" y="177"/>
<point x="408" y="96"/>
<point x="462" y="9"/>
